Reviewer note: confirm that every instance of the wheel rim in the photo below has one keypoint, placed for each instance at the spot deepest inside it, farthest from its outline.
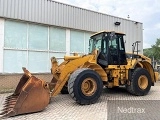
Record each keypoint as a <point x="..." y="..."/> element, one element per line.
<point x="88" y="86"/>
<point x="143" y="82"/>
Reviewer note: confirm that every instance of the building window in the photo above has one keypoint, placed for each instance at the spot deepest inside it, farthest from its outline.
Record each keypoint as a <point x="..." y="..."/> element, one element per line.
<point x="14" y="60"/>
<point x="32" y="45"/>
<point x="15" y="35"/>
<point x="37" y="37"/>
<point x="87" y="37"/>
<point x="38" y="61"/>
<point x="57" y="37"/>
<point x="77" y="41"/>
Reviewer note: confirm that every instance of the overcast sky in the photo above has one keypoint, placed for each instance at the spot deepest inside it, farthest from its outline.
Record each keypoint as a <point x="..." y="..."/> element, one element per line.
<point x="145" y="11"/>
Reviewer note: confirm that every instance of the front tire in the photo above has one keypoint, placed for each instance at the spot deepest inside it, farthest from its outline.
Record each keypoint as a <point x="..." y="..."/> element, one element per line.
<point x="85" y="86"/>
<point x="140" y="82"/>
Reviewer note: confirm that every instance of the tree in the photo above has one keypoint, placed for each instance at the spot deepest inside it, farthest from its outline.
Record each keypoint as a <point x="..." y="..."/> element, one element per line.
<point x="148" y="52"/>
<point x="154" y="51"/>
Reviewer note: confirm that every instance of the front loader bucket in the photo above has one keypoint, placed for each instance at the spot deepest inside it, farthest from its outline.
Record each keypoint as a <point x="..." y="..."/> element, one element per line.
<point x="31" y="95"/>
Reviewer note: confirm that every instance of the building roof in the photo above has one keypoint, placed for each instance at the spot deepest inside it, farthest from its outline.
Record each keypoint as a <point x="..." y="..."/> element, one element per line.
<point x="59" y="14"/>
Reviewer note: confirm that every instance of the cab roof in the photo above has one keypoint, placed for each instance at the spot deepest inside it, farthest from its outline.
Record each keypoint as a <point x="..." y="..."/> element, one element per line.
<point x="107" y="32"/>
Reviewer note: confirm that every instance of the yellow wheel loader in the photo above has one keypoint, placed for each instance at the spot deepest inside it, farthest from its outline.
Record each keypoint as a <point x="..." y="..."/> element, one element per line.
<point x="83" y="77"/>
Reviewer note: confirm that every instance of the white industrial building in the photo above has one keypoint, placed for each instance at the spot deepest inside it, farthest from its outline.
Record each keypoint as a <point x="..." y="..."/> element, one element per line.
<point x="32" y="31"/>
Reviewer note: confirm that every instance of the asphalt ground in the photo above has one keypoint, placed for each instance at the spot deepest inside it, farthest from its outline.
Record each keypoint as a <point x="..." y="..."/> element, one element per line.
<point x="116" y="104"/>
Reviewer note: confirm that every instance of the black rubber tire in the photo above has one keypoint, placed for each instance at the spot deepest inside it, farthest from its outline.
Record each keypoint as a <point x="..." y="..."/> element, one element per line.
<point x="74" y="86"/>
<point x="133" y="88"/>
<point x="64" y="90"/>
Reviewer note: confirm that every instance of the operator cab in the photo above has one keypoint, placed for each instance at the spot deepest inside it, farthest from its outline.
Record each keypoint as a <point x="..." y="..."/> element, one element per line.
<point x="110" y="46"/>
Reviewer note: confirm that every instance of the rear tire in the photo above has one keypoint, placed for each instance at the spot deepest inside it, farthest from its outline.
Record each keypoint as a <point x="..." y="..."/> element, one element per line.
<point x="85" y="86"/>
<point x="140" y="82"/>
